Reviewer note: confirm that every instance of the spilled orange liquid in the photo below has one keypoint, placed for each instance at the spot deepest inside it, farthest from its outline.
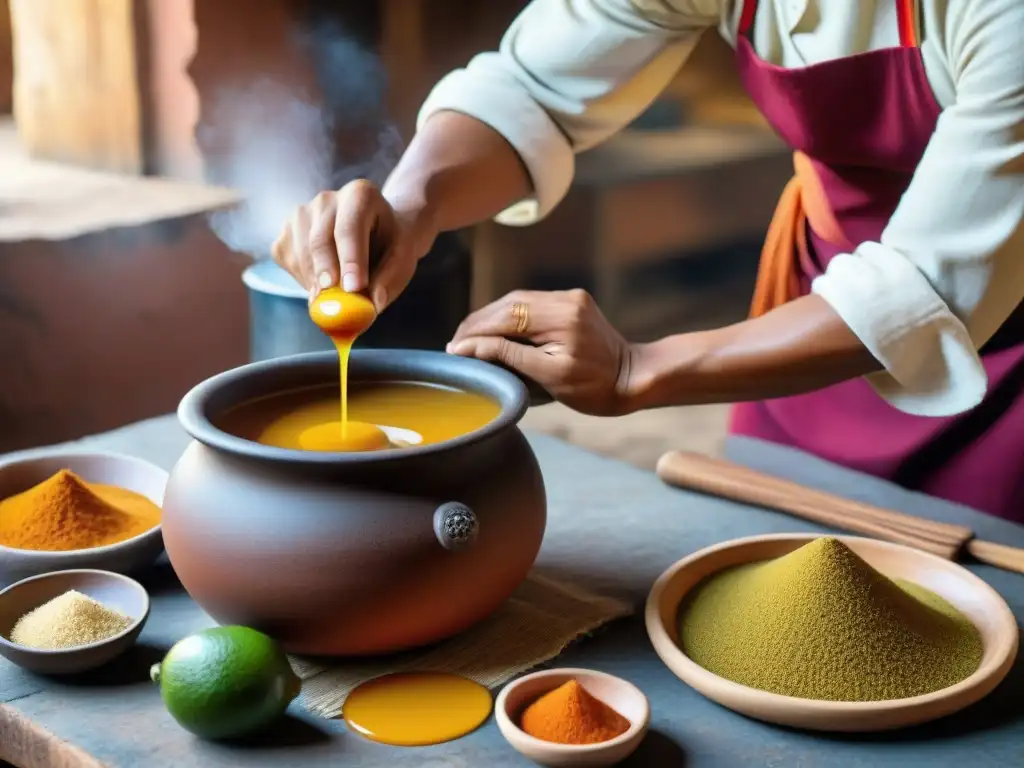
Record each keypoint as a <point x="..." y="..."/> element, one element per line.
<point x="343" y="316"/>
<point x="417" y="709"/>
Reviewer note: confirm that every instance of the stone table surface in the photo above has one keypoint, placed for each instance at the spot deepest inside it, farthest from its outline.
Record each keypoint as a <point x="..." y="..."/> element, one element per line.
<point x="612" y="527"/>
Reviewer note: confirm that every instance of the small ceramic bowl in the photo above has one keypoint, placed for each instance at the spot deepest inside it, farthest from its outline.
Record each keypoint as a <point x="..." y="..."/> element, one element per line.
<point x="622" y="696"/>
<point x="112" y="589"/>
<point x="20" y="474"/>
<point x="954" y="583"/>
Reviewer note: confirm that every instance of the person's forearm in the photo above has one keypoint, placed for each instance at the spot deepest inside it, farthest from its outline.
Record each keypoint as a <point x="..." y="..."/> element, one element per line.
<point x="457" y="172"/>
<point x="797" y="348"/>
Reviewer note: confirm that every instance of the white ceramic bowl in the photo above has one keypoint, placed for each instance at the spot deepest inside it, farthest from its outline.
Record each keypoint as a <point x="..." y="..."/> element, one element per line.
<point x="20" y="474"/>
<point x="958" y="586"/>
<point x="622" y="696"/>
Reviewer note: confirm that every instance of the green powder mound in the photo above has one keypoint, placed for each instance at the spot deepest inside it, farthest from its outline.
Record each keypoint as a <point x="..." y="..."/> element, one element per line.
<point x="820" y="623"/>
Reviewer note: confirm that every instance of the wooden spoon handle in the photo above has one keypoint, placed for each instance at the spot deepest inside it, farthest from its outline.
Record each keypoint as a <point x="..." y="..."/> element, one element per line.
<point x="999" y="555"/>
<point x="721" y="478"/>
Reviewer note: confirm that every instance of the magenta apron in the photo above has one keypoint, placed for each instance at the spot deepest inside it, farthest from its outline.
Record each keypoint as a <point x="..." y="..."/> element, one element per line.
<point x="863" y="122"/>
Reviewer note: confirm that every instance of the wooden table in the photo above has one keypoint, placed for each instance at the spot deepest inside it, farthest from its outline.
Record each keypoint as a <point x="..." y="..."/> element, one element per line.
<point x="612" y="527"/>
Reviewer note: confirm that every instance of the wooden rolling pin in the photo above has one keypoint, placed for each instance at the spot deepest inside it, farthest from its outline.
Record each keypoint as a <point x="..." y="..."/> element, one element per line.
<point x="716" y="477"/>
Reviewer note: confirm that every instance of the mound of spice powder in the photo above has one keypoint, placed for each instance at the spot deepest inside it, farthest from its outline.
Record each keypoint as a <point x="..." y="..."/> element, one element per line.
<point x="68" y="621"/>
<point x="65" y="513"/>
<point x="820" y="623"/>
<point x="571" y="715"/>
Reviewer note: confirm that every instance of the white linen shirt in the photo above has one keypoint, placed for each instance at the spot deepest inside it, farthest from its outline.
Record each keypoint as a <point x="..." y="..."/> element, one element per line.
<point x="950" y="265"/>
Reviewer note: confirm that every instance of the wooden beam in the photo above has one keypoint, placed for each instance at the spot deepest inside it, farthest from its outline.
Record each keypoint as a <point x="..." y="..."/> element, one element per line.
<point x="403" y="49"/>
<point x="76" y="84"/>
<point x="6" y="62"/>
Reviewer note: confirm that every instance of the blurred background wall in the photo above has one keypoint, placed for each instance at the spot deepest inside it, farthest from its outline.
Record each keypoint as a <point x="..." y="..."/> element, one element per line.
<point x="119" y="291"/>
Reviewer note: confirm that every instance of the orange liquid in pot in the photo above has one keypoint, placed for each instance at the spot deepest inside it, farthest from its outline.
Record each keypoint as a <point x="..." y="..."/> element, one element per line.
<point x="417" y="709"/>
<point x="308" y="419"/>
<point x="433" y="412"/>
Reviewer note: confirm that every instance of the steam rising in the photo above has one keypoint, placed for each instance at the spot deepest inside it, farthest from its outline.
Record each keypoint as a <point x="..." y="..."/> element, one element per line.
<point x="287" y="146"/>
<point x="283" y="160"/>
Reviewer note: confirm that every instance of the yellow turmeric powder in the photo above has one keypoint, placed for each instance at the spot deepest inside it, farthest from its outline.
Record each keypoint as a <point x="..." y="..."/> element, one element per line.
<point x="571" y="715"/>
<point x="65" y="513"/>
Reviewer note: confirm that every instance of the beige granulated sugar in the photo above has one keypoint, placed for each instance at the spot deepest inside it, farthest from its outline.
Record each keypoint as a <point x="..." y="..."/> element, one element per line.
<point x="68" y="621"/>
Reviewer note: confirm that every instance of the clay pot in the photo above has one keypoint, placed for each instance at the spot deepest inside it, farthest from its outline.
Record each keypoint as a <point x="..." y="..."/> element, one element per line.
<point x="354" y="553"/>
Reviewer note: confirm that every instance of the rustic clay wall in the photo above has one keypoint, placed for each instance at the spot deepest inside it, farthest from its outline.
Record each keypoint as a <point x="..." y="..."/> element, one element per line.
<point x="141" y="314"/>
<point x="278" y="102"/>
<point x="200" y="55"/>
<point x="109" y="328"/>
<point x="196" y="55"/>
<point x="116" y="326"/>
<point x="170" y="96"/>
<point x="190" y="54"/>
<point x="217" y="78"/>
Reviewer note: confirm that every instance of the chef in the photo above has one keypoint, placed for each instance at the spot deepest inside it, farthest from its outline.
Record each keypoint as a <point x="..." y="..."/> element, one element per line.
<point x="887" y="327"/>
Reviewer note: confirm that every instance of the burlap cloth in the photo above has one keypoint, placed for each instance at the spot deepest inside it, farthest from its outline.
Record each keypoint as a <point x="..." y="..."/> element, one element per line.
<point x="533" y="626"/>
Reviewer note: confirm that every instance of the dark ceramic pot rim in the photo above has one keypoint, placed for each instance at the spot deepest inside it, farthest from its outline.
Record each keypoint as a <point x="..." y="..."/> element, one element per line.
<point x="201" y="405"/>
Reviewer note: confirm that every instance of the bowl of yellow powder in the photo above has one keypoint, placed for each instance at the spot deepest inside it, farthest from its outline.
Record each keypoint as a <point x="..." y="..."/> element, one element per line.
<point x="831" y="633"/>
<point x="61" y="511"/>
<point x="70" y="621"/>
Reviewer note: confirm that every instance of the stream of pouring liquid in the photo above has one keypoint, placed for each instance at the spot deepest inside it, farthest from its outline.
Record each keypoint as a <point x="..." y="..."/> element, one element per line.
<point x="343" y="317"/>
<point x="344" y="434"/>
<point x="344" y="346"/>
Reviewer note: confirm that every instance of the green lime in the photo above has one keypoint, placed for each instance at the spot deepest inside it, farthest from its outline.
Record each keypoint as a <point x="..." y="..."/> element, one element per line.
<point x="225" y="682"/>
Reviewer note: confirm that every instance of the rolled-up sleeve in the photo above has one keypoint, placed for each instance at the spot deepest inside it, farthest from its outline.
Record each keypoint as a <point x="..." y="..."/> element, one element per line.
<point x="569" y="74"/>
<point x="949" y="267"/>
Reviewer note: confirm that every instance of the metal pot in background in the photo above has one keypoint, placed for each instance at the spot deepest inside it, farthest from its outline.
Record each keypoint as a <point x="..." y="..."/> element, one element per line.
<point x="425" y="316"/>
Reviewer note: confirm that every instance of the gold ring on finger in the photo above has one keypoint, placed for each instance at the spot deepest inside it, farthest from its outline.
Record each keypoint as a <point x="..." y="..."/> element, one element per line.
<point x="521" y="314"/>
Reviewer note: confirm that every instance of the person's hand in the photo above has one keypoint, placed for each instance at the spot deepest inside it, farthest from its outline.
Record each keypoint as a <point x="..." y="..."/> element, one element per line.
<point x="329" y="240"/>
<point x="559" y="339"/>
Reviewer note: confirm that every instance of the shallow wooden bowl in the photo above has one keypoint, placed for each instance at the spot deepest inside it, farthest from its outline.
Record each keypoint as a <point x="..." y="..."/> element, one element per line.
<point x="20" y="474"/>
<point x="112" y="589"/>
<point x="621" y="695"/>
<point x="961" y="588"/>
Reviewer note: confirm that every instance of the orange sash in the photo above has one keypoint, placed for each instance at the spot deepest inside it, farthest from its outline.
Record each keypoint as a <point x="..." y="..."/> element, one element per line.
<point x="803" y="202"/>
